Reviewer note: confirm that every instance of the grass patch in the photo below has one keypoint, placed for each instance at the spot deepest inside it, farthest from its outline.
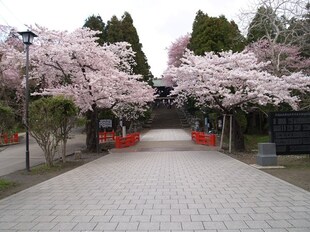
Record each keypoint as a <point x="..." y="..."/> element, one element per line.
<point x="5" y="184"/>
<point x="251" y="141"/>
<point x="295" y="161"/>
<point x="44" y="169"/>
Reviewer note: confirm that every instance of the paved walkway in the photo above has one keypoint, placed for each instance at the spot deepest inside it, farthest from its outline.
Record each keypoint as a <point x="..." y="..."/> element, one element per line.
<point x="12" y="158"/>
<point x="160" y="191"/>
<point x="166" y="135"/>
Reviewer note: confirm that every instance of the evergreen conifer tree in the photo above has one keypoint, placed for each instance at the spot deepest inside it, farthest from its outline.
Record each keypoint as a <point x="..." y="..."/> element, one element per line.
<point x="214" y="34"/>
<point x="95" y="23"/>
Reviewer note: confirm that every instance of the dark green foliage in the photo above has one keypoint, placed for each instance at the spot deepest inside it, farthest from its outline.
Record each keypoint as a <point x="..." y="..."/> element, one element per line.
<point x="114" y="30"/>
<point x="95" y="23"/>
<point x="215" y="34"/>
<point x="131" y="36"/>
<point x="302" y="32"/>
<point x="124" y="30"/>
<point x="6" y="118"/>
<point x="261" y="25"/>
<point x="118" y="31"/>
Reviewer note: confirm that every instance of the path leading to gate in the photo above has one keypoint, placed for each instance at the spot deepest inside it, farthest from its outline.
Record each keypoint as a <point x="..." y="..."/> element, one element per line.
<point x="164" y="118"/>
<point x="164" y="187"/>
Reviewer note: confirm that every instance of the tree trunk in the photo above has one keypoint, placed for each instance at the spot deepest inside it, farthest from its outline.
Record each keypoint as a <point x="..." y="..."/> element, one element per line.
<point x="91" y="130"/>
<point x="238" y="135"/>
<point x="64" y="150"/>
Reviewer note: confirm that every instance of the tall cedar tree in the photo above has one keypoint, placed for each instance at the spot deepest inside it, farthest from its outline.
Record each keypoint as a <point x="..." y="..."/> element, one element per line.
<point x="302" y="28"/>
<point x="124" y="30"/>
<point x="262" y="27"/>
<point x="114" y="30"/>
<point x="130" y="35"/>
<point x="215" y="34"/>
<point x="95" y="23"/>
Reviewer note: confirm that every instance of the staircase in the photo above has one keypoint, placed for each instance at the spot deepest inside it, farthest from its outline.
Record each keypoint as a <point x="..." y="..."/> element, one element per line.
<point x="164" y="118"/>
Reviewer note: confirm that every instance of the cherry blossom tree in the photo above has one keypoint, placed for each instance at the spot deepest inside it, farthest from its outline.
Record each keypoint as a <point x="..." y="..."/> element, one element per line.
<point x="175" y="52"/>
<point x="274" y="23"/>
<point x="283" y="59"/>
<point x="229" y="81"/>
<point x="10" y="69"/>
<point x="95" y="77"/>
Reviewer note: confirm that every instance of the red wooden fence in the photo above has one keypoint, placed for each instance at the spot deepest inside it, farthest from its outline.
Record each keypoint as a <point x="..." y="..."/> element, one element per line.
<point x="127" y="141"/>
<point x="6" y="139"/>
<point x="202" y="138"/>
<point x="106" y="136"/>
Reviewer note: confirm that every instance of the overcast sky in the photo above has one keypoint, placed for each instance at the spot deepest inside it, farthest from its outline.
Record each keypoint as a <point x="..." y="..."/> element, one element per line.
<point x="158" y="22"/>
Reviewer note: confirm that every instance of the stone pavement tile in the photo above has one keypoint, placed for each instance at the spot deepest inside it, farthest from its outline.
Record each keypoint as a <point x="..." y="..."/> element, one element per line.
<point x="300" y="223"/>
<point x="132" y="212"/>
<point x="63" y="218"/>
<point x="7" y="225"/>
<point x="148" y="226"/>
<point x="103" y="226"/>
<point x="257" y="224"/>
<point x="252" y="230"/>
<point x="279" y="223"/>
<point x="117" y="218"/>
<point x="180" y="218"/>
<point x="170" y="226"/>
<point x="299" y="215"/>
<point x="236" y="225"/>
<point x="62" y="226"/>
<point x="141" y="218"/>
<point x="127" y="226"/>
<point x="214" y="225"/>
<point x="82" y="218"/>
<point x="44" y="219"/>
<point x="101" y="218"/>
<point x="170" y="211"/>
<point x="277" y="216"/>
<point x="298" y="230"/>
<point x="260" y="216"/>
<point x="24" y="226"/>
<point x="192" y="225"/>
<point x="160" y="218"/>
<point x="241" y="217"/>
<point x="151" y="212"/>
<point x="220" y="217"/>
<point x="44" y="226"/>
<point x="200" y="218"/>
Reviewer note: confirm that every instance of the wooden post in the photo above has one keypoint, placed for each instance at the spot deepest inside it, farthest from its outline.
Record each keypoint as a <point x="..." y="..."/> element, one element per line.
<point x="222" y="135"/>
<point x="230" y="131"/>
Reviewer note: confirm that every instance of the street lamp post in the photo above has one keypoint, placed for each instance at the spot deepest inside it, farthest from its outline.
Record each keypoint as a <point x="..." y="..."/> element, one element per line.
<point x="27" y="40"/>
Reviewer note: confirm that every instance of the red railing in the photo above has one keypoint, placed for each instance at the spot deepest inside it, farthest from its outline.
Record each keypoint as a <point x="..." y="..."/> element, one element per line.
<point x="127" y="141"/>
<point x="6" y="139"/>
<point x="202" y="138"/>
<point x="106" y="136"/>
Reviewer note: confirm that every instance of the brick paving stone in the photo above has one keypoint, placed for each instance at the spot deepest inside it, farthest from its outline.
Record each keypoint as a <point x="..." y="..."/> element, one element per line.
<point x="85" y="226"/>
<point x="279" y="223"/>
<point x="160" y="218"/>
<point x="127" y="226"/>
<point x="170" y="226"/>
<point x="141" y="218"/>
<point x="275" y="230"/>
<point x="149" y="226"/>
<point x="24" y="226"/>
<point x="214" y="225"/>
<point x="160" y="191"/>
<point x="65" y="226"/>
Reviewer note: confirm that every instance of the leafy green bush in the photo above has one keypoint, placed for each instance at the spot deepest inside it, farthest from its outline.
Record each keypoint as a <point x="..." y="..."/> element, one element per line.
<point x="51" y="120"/>
<point x="6" y="118"/>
